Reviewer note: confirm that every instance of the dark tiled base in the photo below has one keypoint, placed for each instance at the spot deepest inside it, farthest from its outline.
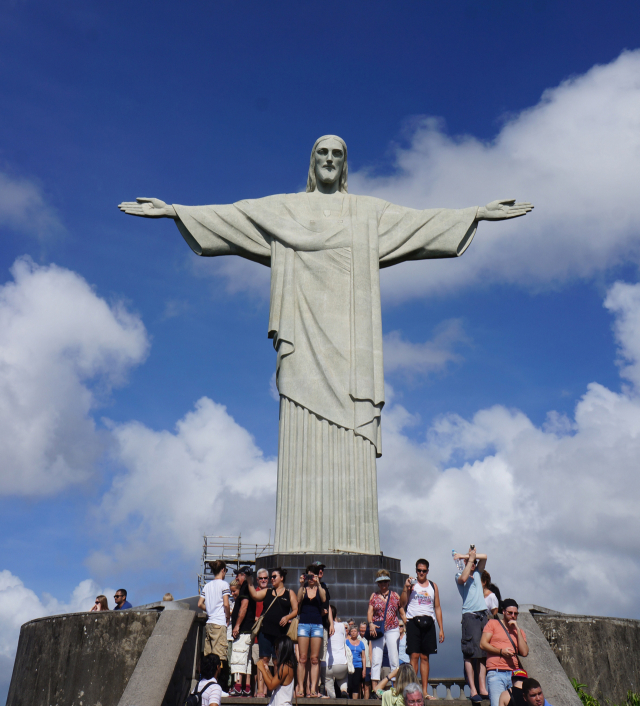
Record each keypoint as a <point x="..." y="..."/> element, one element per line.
<point x="349" y="577"/>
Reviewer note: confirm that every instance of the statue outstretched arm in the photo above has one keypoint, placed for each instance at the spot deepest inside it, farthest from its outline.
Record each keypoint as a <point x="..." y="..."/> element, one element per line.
<point x="148" y="208"/>
<point x="502" y="209"/>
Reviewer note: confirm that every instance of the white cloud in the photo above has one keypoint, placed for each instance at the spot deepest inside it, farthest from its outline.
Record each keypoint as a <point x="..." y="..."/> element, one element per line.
<point x="19" y="604"/>
<point x="431" y="356"/>
<point x="555" y="507"/>
<point x="208" y="477"/>
<point x="24" y="208"/>
<point x="575" y="155"/>
<point x="57" y="337"/>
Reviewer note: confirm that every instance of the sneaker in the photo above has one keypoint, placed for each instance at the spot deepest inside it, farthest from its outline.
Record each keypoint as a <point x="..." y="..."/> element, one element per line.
<point x="246" y="692"/>
<point x="234" y="691"/>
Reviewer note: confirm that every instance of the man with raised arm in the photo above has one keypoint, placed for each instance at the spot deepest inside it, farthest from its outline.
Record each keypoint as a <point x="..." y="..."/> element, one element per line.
<point x="474" y="618"/>
<point x="325" y="248"/>
<point x="422" y="600"/>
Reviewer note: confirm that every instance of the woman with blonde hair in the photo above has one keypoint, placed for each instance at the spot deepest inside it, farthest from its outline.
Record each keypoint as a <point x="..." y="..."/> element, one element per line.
<point x="100" y="604"/>
<point x="403" y="675"/>
<point x="382" y="615"/>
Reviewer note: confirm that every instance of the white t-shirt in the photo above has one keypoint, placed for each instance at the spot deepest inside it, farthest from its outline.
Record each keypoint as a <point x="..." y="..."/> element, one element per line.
<point x="491" y="600"/>
<point x="212" y="694"/>
<point x="212" y="594"/>
<point x="367" y="658"/>
<point x="421" y="601"/>
<point x="335" y="646"/>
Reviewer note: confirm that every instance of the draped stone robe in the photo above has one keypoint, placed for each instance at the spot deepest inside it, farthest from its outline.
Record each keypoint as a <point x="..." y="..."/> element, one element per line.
<point x="325" y="322"/>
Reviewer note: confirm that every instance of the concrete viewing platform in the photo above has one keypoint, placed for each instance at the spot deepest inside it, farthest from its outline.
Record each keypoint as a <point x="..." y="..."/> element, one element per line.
<point x="149" y="656"/>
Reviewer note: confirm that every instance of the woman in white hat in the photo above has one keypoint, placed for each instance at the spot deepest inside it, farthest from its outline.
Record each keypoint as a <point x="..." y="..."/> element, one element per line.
<point x="384" y="606"/>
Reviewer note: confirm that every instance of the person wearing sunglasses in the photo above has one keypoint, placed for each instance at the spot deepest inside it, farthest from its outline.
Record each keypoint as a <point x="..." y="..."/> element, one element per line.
<point x="422" y="599"/>
<point x="384" y="630"/>
<point x="503" y="641"/>
<point x="100" y="604"/>
<point x="121" y="600"/>
<point x="279" y="608"/>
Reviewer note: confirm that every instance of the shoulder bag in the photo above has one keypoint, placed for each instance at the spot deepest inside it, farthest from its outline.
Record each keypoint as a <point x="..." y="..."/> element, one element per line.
<point x="515" y="648"/>
<point x="378" y="623"/>
<point x="258" y="624"/>
<point x="292" y="632"/>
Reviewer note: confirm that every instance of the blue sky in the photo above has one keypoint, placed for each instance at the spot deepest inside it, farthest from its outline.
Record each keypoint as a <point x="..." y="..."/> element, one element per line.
<point x="113" y="329"/>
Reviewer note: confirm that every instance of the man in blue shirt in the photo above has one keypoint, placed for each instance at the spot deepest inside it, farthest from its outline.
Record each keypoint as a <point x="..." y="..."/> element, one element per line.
<point x="121" y="600"/>
<point x="532" y="692"/>
<point x="474" y="618"/>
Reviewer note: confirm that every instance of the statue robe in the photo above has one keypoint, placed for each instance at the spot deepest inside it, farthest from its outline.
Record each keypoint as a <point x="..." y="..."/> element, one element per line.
<point x="325" y="322"/>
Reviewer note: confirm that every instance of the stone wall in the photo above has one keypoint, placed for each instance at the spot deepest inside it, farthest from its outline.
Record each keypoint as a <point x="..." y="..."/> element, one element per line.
<point x="79" y="658"/>
<point x="603" y="653"/>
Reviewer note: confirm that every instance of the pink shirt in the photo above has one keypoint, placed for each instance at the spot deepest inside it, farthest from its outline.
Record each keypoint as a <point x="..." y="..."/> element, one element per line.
<point x="500" y="641"/>
<point x="379" y="604"/>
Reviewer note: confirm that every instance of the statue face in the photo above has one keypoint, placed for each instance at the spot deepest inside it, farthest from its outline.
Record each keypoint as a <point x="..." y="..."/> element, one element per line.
<point x="329" y="161"/>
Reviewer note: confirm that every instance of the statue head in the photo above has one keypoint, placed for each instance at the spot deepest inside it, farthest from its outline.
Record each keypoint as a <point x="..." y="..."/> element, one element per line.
<point x="328" y="163"/>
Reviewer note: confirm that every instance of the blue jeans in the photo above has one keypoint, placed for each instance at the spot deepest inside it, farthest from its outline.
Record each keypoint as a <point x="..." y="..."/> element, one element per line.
<point x="497" y="682"/>
<point x="310" y="630"/>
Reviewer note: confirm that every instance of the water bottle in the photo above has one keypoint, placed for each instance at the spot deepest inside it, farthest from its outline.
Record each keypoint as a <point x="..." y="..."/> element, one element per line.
<point x="458" y="562"/>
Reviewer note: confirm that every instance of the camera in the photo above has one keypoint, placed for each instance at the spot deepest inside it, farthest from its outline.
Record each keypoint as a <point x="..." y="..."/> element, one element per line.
<point x="413" y="582"/>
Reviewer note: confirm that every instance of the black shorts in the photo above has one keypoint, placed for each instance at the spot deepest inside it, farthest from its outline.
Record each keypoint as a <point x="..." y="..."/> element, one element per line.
<point x="472" y="626"/>
<point x="354" y="681"/>
<point x="421" y="640"/>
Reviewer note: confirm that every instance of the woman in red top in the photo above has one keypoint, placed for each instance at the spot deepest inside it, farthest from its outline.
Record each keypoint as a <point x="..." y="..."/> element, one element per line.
<point x="376" y="614"/>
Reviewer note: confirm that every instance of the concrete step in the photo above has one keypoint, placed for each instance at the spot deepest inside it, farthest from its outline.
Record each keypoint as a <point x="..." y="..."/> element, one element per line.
<point x="252" y="701"/>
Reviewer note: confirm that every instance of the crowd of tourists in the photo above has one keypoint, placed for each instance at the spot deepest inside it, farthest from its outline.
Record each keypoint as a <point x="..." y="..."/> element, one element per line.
<point x="264" y="639"/>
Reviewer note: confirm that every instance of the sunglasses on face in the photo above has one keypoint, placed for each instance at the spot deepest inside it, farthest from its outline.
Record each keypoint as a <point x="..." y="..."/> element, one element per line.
<point x="274" y="577"/>
<point x="263" y="578"/>
<point x="421" y="571"/>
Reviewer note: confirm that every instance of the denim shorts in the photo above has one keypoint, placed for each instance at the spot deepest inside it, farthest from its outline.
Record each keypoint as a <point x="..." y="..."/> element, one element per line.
<point x="310" y="630"/>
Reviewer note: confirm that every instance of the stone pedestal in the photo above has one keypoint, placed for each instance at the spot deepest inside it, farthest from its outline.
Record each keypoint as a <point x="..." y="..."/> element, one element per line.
<point x="350" y="578"/>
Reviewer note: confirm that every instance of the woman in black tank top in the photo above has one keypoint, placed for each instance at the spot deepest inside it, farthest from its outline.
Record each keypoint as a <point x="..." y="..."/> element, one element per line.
<point x="279" y="608"/>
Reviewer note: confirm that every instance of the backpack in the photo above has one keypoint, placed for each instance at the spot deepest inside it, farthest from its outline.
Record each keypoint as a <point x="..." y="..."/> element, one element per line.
<point x="195" y="699"/>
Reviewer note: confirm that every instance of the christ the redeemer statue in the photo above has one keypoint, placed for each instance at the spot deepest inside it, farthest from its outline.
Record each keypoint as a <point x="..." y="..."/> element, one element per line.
<point x="325" y="248"/>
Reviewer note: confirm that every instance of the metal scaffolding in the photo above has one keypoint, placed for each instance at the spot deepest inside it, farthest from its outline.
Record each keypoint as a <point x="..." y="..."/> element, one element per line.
<point x="232" y="551"/>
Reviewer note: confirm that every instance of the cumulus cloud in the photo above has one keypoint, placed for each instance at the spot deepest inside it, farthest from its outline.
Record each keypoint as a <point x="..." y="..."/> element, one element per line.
<point x="62" y="348"/>
<point x="431" y="356"/>
<point x="554" y="506"/>
<point x="19" y="604"/>
<point x="575" y="155"/>
<point x="207" y="477"/>
<point x="24" y="208"/>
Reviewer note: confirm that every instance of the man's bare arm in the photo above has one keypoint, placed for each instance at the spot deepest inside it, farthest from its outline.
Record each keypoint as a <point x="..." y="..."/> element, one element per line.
<point x="227" y="608"/>
<point x="201" y="603"/>
<point x="241" y="615"/>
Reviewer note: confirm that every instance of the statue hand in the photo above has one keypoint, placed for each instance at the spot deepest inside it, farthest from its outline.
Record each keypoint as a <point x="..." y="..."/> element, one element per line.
<point x="148" y="208"/>
<point x="502" y="209"/>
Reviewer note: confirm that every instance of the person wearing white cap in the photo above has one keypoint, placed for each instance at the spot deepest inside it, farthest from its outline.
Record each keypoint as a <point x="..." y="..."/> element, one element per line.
<point x="383" y="629"/>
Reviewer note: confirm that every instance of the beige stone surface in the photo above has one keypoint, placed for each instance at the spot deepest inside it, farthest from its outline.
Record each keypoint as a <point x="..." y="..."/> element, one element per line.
<point x="325" y="248"/>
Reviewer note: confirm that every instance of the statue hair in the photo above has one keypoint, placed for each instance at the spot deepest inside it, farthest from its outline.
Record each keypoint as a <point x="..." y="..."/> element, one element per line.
<point x="311" y="179"/>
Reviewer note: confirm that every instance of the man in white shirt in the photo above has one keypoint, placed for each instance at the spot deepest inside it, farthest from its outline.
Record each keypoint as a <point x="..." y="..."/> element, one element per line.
<point x="209" y="670"/>
<point x="422" y="600"/>
<point x="214" y="599"/>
